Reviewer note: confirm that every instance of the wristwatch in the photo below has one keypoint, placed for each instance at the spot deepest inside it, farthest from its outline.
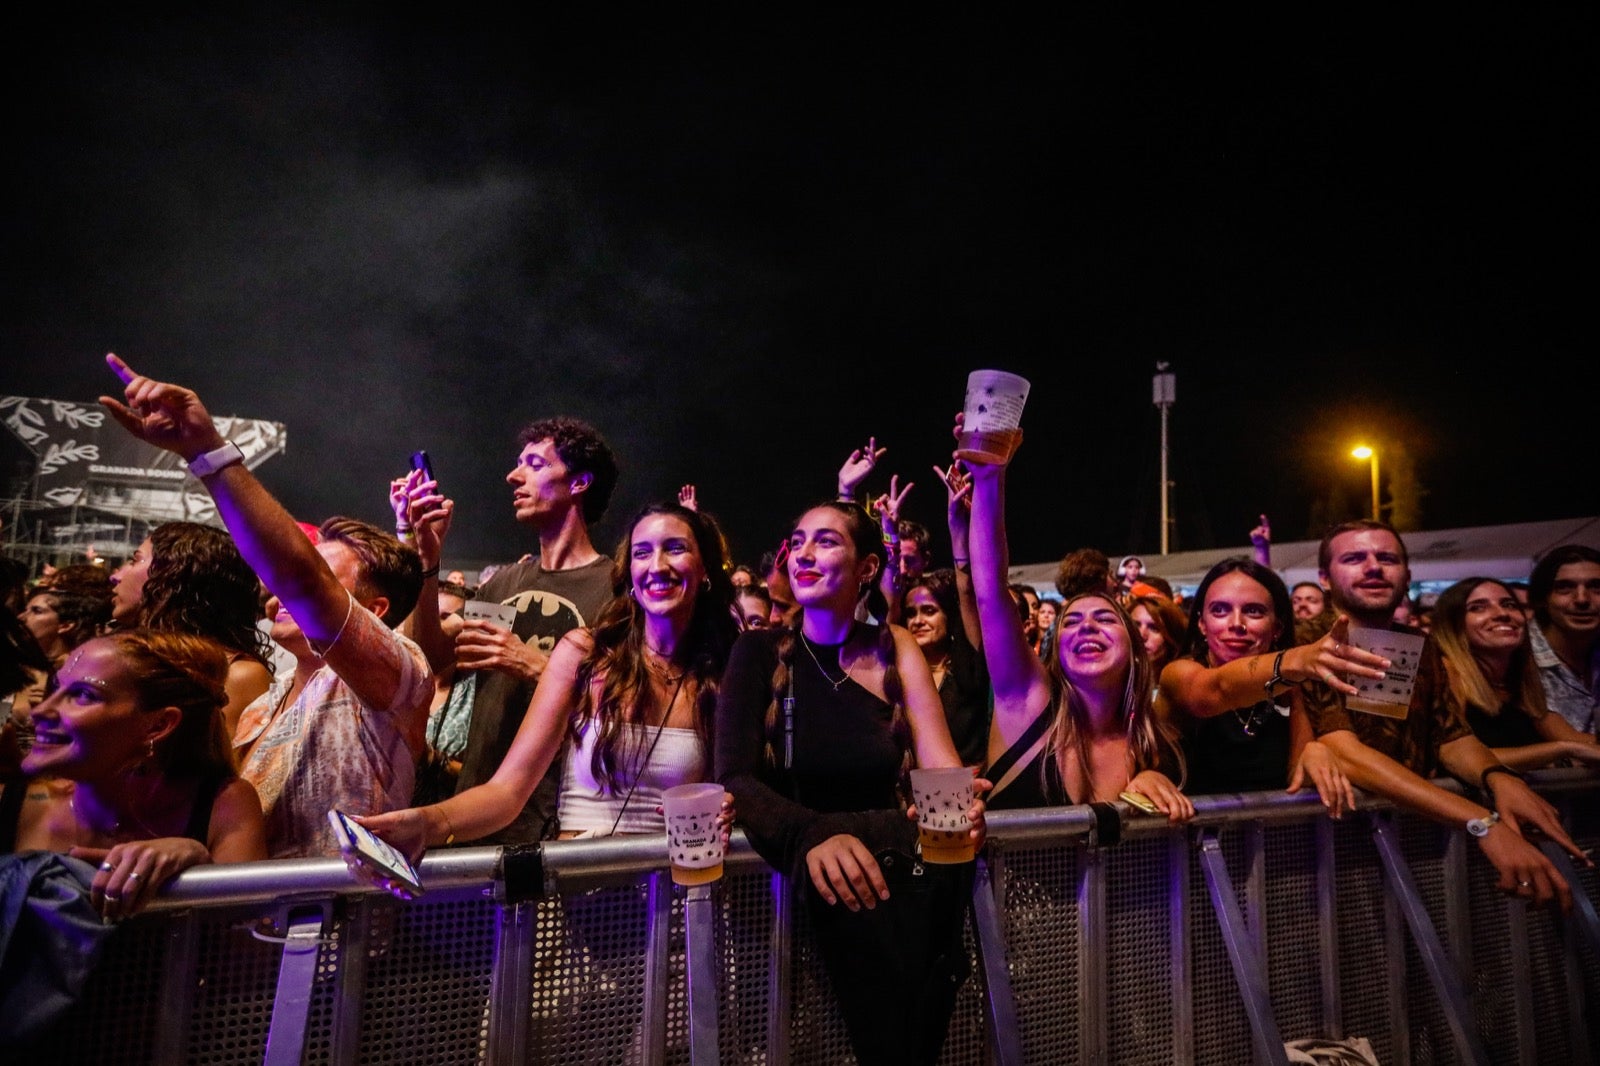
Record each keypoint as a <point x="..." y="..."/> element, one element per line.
<point x="1479" y="827"/>
<point x="207" y="463"/>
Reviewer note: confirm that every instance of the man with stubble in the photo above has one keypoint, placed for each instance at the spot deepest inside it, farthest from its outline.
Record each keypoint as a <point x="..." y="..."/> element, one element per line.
<point x="1364" y="567"/>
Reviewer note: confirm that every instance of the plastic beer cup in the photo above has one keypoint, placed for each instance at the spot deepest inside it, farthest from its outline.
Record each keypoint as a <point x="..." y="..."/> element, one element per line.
<point x="694" y="839"/>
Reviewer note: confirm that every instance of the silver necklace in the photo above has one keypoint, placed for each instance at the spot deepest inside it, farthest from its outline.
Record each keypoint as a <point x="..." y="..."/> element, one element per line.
<point x="825" y="675"/>
<point x="1250" y="722"/>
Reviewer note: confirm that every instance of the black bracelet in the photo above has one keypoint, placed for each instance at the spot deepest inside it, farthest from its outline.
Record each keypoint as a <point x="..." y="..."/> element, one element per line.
<point x="426" y="574"/>
<point x="1498" y="768"/>
<point x="1277" y="676"/>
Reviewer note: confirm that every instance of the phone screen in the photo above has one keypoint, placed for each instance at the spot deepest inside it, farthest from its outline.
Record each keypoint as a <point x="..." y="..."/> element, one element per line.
<point x="374" y="850"/>
<point x="419" y="461"/>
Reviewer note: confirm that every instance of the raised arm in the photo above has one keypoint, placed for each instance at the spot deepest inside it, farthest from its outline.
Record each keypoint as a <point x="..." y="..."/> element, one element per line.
<point x="857" y="467"/>
<point x="422" y="517"/>
<point x="1014" y="670"/>
<point x="889" y="580"/>
<point x="958" y="513"/>
<point x="173" y="418"/>
<point x="930" y="731"/>
<point x="1261" y="542"/>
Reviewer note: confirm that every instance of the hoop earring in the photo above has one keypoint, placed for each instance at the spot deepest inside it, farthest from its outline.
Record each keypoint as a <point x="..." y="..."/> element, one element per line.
<point x="705" y="584"/>
<point x="631" y="596"/>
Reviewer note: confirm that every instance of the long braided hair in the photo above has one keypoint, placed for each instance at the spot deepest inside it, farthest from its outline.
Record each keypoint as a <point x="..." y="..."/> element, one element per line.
<point x="618" y="653"/>
<point x="864" y="535"/>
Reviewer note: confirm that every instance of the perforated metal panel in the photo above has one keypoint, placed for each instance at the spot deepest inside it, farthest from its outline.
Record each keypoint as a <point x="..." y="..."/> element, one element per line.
<point x="1363" y="938"/>
<point x="429" y="967"/>
<point x="1138" y="953"/>
<point x="453" y="977"/>
<point x="743" y="933"/>
<point x="589" y="966"/>
<point x="1294" y="952"/>
<point x="237" y="977"/>
<point x="1428" y="1029"/>
<point x="1042" y="935"/>
<point x="1221" y="1027"/>
<point x="1492" y="982"/>
<point x="115" y="1020"/>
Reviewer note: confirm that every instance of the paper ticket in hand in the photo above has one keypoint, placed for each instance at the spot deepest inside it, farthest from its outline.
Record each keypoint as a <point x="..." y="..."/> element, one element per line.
<point x="1391" y="696"/>
<point x="501" y="614"/>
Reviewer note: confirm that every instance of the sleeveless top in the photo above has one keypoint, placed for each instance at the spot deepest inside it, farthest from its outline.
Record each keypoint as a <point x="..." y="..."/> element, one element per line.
<point x="587" y="805"/>
<point x="1511" y="728"/>
<point x="1224" y="757"/>
<point x="197" y="829"/>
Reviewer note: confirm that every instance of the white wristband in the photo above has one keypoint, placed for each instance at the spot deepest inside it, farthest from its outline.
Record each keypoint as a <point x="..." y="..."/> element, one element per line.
<point x="208" y="463"/>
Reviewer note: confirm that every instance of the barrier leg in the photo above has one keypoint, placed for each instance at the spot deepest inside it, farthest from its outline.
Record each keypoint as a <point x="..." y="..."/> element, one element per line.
<point x="1005" y="1035"/>
<point x="1442" y="972"/>
<point x="1247" y="966"/>
<point x="699" y="912"/>
<point x="297" y="974"/>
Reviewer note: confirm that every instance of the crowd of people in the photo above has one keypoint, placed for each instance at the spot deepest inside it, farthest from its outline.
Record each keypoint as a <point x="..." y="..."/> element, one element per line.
<point x="216" y="696"/>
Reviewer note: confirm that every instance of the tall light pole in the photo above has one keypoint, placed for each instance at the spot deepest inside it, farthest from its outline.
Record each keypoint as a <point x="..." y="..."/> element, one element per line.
<point x="1364" y="452"/>
<point x="1164" y="390"/>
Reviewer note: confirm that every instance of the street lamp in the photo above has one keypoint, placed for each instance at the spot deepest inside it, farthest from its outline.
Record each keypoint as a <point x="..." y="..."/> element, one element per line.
<point x="1364" y="452"/>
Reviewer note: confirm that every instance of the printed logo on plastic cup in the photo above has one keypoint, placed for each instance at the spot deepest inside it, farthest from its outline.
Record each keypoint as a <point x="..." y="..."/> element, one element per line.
<point x="694" y="840"/>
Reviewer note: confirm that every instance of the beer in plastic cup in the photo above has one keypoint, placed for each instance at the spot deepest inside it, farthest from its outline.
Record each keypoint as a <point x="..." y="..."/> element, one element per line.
<point x="943" y="797"/>
<point x="694" y="839"/>
<point x="992" y="417"/>
<point x="1389" y="696"/>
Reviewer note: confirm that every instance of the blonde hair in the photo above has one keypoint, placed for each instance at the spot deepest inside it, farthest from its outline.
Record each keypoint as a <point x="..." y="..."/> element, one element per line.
<point x="1149" y="739"/>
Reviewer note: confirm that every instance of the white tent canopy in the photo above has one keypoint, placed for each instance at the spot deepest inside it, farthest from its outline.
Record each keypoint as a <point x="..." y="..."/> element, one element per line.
<point x="1505" y="552"/>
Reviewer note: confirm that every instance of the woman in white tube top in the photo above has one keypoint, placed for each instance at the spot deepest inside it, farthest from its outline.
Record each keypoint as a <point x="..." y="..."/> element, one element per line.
<point x="631" y="698"/>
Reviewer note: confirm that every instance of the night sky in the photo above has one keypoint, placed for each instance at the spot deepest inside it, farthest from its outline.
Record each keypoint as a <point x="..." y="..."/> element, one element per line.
<point x="739" y="253"/>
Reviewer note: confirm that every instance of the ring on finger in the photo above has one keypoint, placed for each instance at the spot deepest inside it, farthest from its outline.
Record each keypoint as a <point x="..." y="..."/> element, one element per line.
<point x="113" y="899"/>
<point x="108" y="865"/>
<point x="1524" y="884"/>
<point x="133" y="876"/>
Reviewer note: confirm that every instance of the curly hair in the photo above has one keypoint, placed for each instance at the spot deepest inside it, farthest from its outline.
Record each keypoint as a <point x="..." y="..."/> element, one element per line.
<point x="618" y="653"/>
<point x="583" y="451"/>
<point x="187" y="672"/>
<point x="1081" y="571"/>
<point x="199" y="583"/>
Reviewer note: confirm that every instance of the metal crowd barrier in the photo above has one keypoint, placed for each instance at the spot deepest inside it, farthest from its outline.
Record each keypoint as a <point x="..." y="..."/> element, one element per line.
<point x="1263" y="921"/>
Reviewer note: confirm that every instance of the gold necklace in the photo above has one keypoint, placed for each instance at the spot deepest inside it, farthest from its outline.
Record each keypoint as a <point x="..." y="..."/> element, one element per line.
<point x="662" y="668"/>
<point x="825" y="675"/>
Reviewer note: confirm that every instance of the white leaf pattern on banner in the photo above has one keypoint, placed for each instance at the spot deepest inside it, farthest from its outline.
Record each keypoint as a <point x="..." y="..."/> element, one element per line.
<point x="65" y="496"/>
<point x="77" y="416"/>
<point x="60" y="455"/>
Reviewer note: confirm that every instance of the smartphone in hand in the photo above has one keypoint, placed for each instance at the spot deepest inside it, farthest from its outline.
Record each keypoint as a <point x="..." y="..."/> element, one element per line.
<point x="376" y="854"/>
<point x="419" y="461"/>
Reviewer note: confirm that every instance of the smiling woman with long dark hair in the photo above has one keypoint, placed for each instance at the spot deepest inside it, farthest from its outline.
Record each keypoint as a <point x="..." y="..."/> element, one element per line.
<point x="630" y="699"/>
<point x="818" y="727"/>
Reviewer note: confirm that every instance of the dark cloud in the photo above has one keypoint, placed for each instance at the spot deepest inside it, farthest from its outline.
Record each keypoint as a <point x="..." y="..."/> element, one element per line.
<point x="741" y="257"/>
